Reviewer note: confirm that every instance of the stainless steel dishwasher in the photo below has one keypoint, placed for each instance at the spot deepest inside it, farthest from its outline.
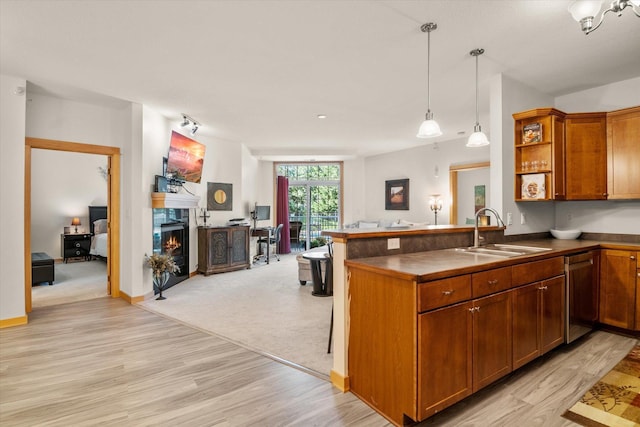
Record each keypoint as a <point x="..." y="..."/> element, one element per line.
<point x="581" y="296"/>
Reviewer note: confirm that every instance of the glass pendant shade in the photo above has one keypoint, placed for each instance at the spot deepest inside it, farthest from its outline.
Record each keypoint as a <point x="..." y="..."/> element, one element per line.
<point x="477" y="138"/>
<point x="581" y="9"/>
<point x="429" y="128"/>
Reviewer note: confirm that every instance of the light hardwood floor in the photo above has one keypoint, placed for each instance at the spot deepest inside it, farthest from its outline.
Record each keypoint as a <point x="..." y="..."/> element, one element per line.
<point x="106" y="362"/>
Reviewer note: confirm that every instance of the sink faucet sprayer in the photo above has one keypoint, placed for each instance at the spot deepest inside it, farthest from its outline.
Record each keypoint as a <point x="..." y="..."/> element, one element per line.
<point x="476" y="233"/>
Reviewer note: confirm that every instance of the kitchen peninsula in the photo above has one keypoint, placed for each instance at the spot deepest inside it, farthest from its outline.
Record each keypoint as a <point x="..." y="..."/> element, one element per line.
<point x="429" y="325"/>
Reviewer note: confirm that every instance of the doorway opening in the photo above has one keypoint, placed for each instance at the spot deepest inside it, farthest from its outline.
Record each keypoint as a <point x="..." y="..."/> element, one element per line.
<point x="315" y="200"/>
<point x="113" y="208"/>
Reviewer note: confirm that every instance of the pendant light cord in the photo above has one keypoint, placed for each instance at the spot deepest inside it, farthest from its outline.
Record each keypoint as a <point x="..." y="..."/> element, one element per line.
<point x="477" y="93"/>
<point x="429" y="71"/>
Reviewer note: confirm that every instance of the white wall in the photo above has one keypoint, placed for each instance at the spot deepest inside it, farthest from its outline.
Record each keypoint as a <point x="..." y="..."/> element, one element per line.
<point x="610" y="97"/>
<point x="63" y="184"/>
<point x="509" y="96"/>
<point x="467" y="180"/>
<point x="12" y="133"/>
<point x="419" y="165"/>
<point x="353" y="198"/>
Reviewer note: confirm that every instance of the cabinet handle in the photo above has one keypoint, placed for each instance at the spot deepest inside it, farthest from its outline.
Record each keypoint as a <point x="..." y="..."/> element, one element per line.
<point x="77" y="244"/>
<point x="477" y="308"/>
<point x="604" y="194"/>
<point x="447" y="292"/>
<point x="543" y="288"/>
<point x="492" y="282"/>
<point x="472" y="309"/>
<point x="633" y="257"/>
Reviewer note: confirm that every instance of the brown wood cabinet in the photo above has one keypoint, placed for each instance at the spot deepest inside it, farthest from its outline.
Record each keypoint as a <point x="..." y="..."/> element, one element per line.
<point x="538" y="319"/>
<point x="223" y="249"/>
<point x="417" y="348"/>
<point x="586" y="156"/>
<point x="618" y="271"/>
<point x="491" y="339"/>
<point x="540" y="156"/>
<point x="623" y="153"/>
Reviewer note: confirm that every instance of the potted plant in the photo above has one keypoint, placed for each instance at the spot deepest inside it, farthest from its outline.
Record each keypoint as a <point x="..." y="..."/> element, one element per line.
<point x="162" y="265"/>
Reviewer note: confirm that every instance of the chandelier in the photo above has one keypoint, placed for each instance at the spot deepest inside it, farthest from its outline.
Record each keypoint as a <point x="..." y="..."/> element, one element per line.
<point x="585" y="11"/>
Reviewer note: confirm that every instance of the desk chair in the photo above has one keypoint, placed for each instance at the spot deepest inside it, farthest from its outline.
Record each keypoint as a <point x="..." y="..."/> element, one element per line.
<point x="295" y="227"/>
<point x="274" y="240"/>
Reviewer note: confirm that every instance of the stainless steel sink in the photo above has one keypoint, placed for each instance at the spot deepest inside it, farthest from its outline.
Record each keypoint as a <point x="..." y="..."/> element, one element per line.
<point x="502" y="250"/>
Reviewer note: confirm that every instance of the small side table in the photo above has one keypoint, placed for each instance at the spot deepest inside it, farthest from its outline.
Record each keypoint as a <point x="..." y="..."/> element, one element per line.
<point x="75" y="246"/>
<point x="322" y="287"/>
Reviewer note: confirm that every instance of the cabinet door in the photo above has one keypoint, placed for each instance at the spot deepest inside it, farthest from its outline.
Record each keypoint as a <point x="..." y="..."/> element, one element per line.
<point x="526" y="325"/>
<point x="444" y="358"/>
<point x="239" y="245"/>
<point x="618" y="288"/>
<point x="552" y="319"/>
<point x="491" y="339"/>
<point x="218" y="247"/>
<point x="623" y="153"/>
<point x="586" y="156"/>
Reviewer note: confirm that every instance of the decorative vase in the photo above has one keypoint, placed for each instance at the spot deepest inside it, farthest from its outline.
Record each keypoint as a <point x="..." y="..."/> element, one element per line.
<point x="159" y="282"/>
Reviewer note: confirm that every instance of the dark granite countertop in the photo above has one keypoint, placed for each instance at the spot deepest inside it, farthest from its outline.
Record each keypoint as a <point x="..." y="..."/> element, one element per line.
<point x="437" y="264"/>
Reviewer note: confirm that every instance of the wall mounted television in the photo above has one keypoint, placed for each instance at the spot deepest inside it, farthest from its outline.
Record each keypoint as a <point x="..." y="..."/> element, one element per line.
<point x="185" y="159"/>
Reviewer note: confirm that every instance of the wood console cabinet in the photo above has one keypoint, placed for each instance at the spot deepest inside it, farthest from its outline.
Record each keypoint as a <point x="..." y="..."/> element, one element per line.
<point x="623" y="153"/>
<point x="418" y="348"/>
<point x="223" y="249"/>
<point x="618" y="305"/>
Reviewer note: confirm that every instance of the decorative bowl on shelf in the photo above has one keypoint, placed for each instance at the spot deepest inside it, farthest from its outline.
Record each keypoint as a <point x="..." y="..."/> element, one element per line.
<point x="566" y="234"/>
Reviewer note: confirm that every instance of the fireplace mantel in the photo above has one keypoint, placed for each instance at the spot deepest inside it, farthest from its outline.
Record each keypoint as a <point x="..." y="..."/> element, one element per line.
<point x="174" y="201"/>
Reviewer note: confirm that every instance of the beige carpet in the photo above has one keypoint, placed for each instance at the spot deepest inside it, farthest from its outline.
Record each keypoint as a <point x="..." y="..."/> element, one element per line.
<point x="263" y="308"/>
<point x="74" y="281"/>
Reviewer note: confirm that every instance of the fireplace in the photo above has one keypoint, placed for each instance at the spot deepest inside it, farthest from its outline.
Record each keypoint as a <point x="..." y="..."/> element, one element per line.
<point x="171" y="236"/>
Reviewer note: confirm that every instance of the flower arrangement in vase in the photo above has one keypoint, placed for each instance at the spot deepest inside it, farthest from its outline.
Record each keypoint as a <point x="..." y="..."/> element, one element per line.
<point x="162" y="265"/>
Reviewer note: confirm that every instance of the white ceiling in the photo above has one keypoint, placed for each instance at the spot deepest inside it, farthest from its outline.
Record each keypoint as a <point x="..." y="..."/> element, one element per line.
<point x="259" y="72"/>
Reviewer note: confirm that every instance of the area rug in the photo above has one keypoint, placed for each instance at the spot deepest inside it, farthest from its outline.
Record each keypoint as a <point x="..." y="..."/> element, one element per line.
<point x="615" y="399"/>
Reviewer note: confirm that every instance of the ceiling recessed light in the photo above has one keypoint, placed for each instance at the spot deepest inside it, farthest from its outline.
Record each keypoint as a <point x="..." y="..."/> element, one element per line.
<point x="322" y="116"/>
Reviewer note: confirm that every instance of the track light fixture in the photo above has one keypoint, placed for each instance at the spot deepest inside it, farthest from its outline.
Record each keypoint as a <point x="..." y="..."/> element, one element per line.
<point x="186" y="121"/>
<point x="585" y="11"/>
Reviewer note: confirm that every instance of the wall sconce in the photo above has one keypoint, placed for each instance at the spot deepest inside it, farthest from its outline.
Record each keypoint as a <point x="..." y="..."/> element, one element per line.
<point x="76" y="223"/>
<point x="584" y="11"/>
<point x="435" y="204"/>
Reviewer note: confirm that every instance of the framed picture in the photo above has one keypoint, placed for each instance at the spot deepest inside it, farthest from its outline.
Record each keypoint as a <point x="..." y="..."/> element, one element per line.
<point x="479" y="197"/>
<point x="397" y="195"/>
<point x="219" y="196"/>
<point x="532" y="133"/>
<point x="161" y="184"/>
<point x="533" y="186"/>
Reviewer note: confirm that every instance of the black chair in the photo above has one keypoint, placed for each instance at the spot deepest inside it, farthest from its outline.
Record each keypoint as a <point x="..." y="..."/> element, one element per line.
<point x="295" y="227"/>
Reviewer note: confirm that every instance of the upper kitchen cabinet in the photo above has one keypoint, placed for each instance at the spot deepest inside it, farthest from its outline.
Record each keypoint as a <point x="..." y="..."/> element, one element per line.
<point x="539" y="155"/>
<point x="623" y="153"/>
<point x="586" y="156"/>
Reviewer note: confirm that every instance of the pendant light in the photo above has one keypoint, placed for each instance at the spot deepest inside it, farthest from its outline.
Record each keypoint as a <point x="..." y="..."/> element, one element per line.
<point x="429" y="128"/>
<point x="477" y="138"/>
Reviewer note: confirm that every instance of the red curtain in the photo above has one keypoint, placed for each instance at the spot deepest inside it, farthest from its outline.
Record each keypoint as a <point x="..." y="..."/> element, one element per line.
<point x="282" y="206"/>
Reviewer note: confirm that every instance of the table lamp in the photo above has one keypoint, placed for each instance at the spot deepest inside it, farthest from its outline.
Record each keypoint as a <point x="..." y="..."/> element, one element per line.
<point x="76" y="222"/>
<point x="435" y="204"/>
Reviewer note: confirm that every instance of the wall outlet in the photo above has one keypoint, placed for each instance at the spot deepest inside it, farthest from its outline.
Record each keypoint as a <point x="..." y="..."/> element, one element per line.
<point x="509" y="218"/>
<point x="393" y="243"/>
<point x="523" y="218"/>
